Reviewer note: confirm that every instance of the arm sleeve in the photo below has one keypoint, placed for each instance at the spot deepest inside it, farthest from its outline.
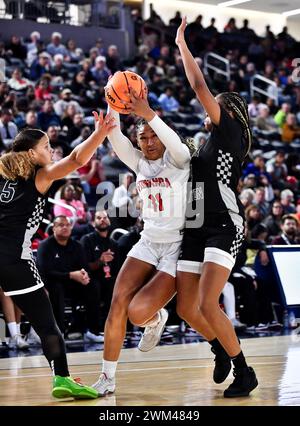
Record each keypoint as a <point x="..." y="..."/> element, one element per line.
<point x="122" y="145"/>
<point x="178" y="151"/>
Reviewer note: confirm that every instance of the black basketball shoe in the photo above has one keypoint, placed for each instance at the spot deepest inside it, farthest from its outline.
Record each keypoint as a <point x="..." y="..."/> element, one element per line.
<point x="244" y="382"/>
<point x="222" y="364"/>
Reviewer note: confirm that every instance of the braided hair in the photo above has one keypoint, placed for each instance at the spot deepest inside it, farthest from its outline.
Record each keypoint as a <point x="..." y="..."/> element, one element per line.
<point x="235" y="103"/>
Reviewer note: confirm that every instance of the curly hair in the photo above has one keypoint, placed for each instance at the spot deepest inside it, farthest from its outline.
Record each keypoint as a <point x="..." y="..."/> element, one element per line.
<point x="17" y="163"/>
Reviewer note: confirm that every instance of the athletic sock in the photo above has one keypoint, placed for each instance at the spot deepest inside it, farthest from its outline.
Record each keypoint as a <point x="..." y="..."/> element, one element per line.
<point x="239" y="360"/>
<point x="109" y="368"/>
<point x="216" y="345"/>
<point x="12" y="327"/>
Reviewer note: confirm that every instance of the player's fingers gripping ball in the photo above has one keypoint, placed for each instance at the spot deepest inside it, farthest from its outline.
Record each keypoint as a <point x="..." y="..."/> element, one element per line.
<point x="118" y="87"/>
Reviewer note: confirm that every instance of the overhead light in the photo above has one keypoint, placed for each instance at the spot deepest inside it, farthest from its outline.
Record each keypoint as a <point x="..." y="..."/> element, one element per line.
<point x="291" y="12"/>
<point x="232" y="3"/>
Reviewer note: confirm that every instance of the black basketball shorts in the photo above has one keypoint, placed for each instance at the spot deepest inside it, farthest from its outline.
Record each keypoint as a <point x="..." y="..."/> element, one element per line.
<point x="218" y="242"/>
<point x="20" y="278"/>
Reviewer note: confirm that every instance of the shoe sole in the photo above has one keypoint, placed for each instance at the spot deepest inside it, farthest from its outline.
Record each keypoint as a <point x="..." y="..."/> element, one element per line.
<point x="62" y="392"/>
<point x="109" y="392"/>
<point x="159" y="337"/>
<point x="246" y="393"/>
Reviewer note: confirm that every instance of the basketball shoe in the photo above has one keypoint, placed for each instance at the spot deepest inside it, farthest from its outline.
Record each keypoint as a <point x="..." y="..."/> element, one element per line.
<point x="152" y="335"/>
<point x="222" y="364"/>
<point x="67" y="387"/>
<point x="244" y="382"/>
<point x="104" y="385"/>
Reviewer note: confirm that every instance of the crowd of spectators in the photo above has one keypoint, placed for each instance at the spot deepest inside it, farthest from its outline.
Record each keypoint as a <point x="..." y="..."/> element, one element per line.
<point x="54" y="85"/>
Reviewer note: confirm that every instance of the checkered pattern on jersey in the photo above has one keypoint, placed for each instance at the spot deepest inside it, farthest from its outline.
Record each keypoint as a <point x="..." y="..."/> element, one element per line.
<point x="37" y="214"/>
<point x="237" y="242"/>
<point x="224" y="164"/>
<point x="35" y="271"/>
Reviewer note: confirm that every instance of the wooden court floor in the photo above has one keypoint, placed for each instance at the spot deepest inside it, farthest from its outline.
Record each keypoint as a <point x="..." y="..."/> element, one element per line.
<point x="177" y="375"/>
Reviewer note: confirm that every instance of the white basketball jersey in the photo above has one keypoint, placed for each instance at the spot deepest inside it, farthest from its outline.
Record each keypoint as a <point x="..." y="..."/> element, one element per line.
<point x="162" y="188"/>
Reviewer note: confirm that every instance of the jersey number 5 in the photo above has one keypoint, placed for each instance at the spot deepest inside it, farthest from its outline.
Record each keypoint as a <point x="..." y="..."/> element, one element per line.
<point x="157" y="202"/>
<point x="8" y="192"/>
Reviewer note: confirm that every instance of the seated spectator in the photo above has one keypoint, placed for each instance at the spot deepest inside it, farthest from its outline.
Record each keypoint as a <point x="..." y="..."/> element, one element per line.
<point x="297" y="214"/>
<point x="113" y="61"/>
<point x="8" y="129"/>
<point x="40" y="66"/>
<point x="56" y="46"/>
<point x="273" y="220"/>
<point x="103" y="260"/>
<point x="17" y="82"/>
<point x="74" y="54"/>
<point x="100" y="71"/>
<point x="58" y="68"/>
<point x="289" y="228"/>
<point x="64" y="101"/>
<point x="56" y="139"/>
<point x="264" y="121"/>
<point x="286" y="199"/>
<point x="278" y="170"/>
<point x="30" y="120"/>
<point x="113" y="167"/>
<point x="74" y="129"/>
<point x="290" y="130"/>
<point x="167" y="100"/>
<point x="260" y="201"/>
<point x="17" y="48"/>
<point x="43" y="89"/>
<point x="253" y="216"/>
<point x="280" y="116"/>
<point x="47" y="116"/>
<point x="247" y="196"/>
<point x="254" y="107"/>
<point x="68" y="198"/>
<point x="62" y="264"/>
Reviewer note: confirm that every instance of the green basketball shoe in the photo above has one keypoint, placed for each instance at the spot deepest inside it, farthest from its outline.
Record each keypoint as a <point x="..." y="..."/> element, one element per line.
<point x="66" y="387"/>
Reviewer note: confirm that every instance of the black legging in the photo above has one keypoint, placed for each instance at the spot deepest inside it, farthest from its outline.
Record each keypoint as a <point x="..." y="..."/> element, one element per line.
<point x="38" y="310"/>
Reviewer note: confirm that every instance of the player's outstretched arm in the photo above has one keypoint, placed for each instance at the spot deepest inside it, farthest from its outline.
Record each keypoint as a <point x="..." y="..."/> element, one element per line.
<point x="79" y="156"/>
<point x="196" y="78"/>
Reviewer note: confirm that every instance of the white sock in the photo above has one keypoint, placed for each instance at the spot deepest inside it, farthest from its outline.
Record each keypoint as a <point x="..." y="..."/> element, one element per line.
<point x="19" y="328"/>
<point x="109" y="368"/>
<point x="154" y="321"/>
<point x="12" y="326"/>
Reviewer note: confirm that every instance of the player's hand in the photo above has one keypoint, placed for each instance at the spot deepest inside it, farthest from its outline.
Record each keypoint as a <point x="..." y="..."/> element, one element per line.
<point x="103" y="124"/>
<point x="138" y="106"/>
<point x="180" y="32"/>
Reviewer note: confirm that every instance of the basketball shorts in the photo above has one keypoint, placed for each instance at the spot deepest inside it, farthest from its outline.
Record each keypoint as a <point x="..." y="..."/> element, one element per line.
<point x="20" y="278"/>
<point x="217" y="242"/>
<point x="163" y="256"/>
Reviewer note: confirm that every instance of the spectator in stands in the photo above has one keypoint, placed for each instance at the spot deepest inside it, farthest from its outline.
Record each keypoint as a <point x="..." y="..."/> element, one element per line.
<point x="67" y="197"/>
<point x="254" y="107"/>
<point x="47" y="116"/>
<point x="264" y="121"/>
<point x="56" y="46"/>
<point x="257" y="167"/>
<point x="18" y="82"/>
<point x="297" y="214"/>
<point x="74" y="54"/>
<point x="102" y="257"/>
<point x="17" y="48"/>
<point x="253" y="216"/>
<point x="62" y="264"/>
<point x="8" y="129"/>
<point x="273" y="220"/>
<point x="167" y="100"/>
<point x="56" y="139"/>
<point x="277" y="170"/>
<point x="260" y="201"/>
<point x="75" y="128"/>
<point x="40" y="66"/>
<point x="247" y="196"/>
<point x="100" y="71"/>
<point x="35" y="36"/>
<point x="113" y="167"/>
<point x="287" y="198"/>
<point x="230" y="27"/>
<point x="64" y="101"/>
<point x="289" y="228"/>
<point x="113" y="61"/>
<point x="58" y="68"/>
<point x="31" y="120"/>
<point x="91" y="174"/>
<point x="281" y="115"/>
<point x="43" y="88"/>
<point x="124" y="200"/>
<point x="290" y="130"/>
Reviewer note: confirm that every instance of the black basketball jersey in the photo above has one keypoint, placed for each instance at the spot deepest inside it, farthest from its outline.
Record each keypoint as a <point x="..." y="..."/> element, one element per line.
<point x="21" y="212"/>
<point x="218" y="165"/>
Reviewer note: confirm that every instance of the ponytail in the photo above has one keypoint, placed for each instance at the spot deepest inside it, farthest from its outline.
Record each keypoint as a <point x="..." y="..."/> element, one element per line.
<point x="16" y="165"/>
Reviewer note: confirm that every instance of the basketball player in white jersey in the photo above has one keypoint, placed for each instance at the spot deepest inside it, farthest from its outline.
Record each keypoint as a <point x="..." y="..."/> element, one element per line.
<point x="146" y="281"/>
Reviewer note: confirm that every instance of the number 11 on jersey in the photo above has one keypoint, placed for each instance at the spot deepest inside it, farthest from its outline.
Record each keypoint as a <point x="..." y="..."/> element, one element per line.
<point x="157" y="202"/>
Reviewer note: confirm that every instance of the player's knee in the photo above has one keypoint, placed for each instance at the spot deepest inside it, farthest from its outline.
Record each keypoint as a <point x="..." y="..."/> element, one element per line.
<point x="205" y="310"/>
<point x="137" y="314"/>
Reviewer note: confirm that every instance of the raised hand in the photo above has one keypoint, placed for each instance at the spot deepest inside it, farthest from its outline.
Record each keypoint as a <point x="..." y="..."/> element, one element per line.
<point x="138" y="106"/>
<point x="180" y="31"/>
<point x="103" y="125"/>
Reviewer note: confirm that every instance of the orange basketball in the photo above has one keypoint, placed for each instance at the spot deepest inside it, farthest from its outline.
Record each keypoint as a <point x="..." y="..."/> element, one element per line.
<point x="120" y="83"/>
